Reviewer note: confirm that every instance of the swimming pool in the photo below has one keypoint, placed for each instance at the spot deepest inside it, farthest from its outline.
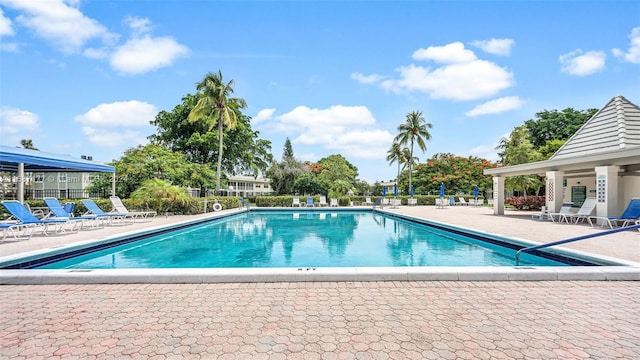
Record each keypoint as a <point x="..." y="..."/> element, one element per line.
<point x="305" y="239"/>
<point x="409" y="262"/>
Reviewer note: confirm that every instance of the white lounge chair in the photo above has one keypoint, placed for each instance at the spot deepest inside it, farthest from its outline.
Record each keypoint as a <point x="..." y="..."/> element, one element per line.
<point x="462" y="201"/>
<point x="412" y="202"/>
<point x="296" y="201"/>
<point x="334" y="202"/>
<point x="119" y="207"/>
<point x="323" y="201"/>
<point x="584" y="213"/>
<point x="367" y="201"/>
<point x="562" y="214"/>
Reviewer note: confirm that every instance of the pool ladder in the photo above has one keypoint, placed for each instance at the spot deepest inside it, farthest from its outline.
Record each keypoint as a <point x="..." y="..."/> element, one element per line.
<point x="577" y="238"/>
<point x="245" y="203"/>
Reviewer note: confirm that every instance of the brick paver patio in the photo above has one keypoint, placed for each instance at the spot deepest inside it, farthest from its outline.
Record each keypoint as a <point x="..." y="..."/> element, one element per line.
<point x="371" y="320"/>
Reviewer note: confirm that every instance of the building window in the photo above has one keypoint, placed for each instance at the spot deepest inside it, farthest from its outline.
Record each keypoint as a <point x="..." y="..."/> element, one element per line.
<point x="39" y="178"/>
<point x="62" y="177"/>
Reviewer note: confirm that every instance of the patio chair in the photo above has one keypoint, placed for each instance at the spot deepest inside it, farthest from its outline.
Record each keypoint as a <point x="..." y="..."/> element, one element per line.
<point x="412" y="202"/>
<point x="93" y="208"/>
<point x="584" y="213"/>
<point x="323" y="201"/>
<point x="24" y="217"/>
<point x="310" y="202"/>
<point x="121" y="209"/>
<point x="14" y="228"/>
<point x="630" y="215"/>
<point x="562" y="214"/>
<point x="367" y="201"/>
<point x="334" y="203"/>
<point x="296" y="201"/>
<point x="462" y="201"/>
<point x="543" y="215"/>
<point x="57" y="211"/>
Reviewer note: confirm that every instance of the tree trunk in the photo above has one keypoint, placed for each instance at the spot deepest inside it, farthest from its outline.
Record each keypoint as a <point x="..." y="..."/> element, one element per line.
<point x="220" y="128"/>
<point x="410" y="165"/>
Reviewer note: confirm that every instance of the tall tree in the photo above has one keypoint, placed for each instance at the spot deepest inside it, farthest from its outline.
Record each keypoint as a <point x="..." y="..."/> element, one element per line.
<point x="283" y="175"/>
<point x="518" y="149"/>
<point x="28" y="144"/>
<point x="394" y="155"/>
<point x="287" y="153"/>
<point x="215" y="106"/>
<point x="556" y="125"/>
<point x="414" y="130"/>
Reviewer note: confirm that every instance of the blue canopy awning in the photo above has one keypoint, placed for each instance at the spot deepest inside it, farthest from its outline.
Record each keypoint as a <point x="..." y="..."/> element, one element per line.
<point x="34" y="161"/>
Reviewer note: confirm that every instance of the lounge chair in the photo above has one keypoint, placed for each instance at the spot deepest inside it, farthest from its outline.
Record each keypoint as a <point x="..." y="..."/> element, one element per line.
<point x="310" y="202"/>
<point x="543" y="215"/>
<point x="562" y="214"/>
<point x="296" y="201"/>
<point x="367" y="201"/>
<point x="630" y="215"/>
<point x="412" y="202"/>
<point x="14" y="228"/>
<point x="477" y="202"/>
<point x="57" y="211"/>
<point x="20" y="212"/>
<point x="94" y="209"/>
<point x="334" y="202"/>
<point x="323" y="201"/>
<point x="136" y="214"/>
<point x="584" y="213"/>
<point x="462" y="201"/>
<point x="441" y="203"/>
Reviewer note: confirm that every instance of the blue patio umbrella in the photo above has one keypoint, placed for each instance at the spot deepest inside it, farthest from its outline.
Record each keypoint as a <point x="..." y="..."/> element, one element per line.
<point x="384" y="191"/>
<point x="411" y="191"/>
<point x="441" y="190"/>
<point x="395" y="189"/>
<point x="475" y="192"/>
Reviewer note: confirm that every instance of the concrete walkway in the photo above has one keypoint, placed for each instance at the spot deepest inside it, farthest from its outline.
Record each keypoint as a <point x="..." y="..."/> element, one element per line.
<point x="327" y="320"/>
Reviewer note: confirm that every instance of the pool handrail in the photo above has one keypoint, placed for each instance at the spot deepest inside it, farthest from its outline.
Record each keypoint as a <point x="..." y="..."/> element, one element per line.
<point x="245" y="203"/>
<point x="577" y="238"/>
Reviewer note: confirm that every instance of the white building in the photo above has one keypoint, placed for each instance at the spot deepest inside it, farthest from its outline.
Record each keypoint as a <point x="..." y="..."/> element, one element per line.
<point x="246" y="186"/>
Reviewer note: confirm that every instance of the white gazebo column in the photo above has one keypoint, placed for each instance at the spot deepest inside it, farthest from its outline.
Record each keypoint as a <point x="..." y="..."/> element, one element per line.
<point x="607" y="190"/>
<point x="498" y="195"/>
<point x="21" y="180"/>
<point x="555" y="191"/>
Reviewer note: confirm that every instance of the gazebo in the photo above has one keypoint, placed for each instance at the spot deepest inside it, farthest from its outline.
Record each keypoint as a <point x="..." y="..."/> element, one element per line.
<point x="19" y="161"/>
<point x="601" y="160"/>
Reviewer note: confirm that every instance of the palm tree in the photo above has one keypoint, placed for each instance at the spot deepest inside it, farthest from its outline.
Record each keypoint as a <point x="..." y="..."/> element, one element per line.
<point x="413" y="130"/>
<point x="214" y="106"/>
<point x="404" y="159"/>
<point x="395" y="155"/>
<point x="27" y="144"/>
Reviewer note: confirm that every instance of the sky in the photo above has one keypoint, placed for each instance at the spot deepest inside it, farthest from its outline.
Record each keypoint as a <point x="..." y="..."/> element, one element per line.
<point x="83" y="77"/>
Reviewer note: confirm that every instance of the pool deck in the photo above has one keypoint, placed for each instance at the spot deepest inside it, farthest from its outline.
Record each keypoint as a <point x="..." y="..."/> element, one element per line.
<point x="333" y="320"/>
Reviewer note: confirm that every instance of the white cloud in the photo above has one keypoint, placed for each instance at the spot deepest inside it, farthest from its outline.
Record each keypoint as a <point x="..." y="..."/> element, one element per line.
<point x="108" y="138"/>
<point x="349" y="130"/>
<point x="263" y="115"/>
<point x="496" y="106"/>
<point x="449" y="54"/>
<point x="580" y="63"/>
<point x="15" y="121"/>
<point x="119" y="114"/>
<point x="485" y="151"/>
<point x="495" y="46"/>
<point x="58" y="22"/>
<point x="367" y="79"/>
<point x="138" y="25"/>
<point x="633" y="54"/>
<point x="5" y="25"/>
<point x="140" y="55"/>
<point x="462" y="77"/>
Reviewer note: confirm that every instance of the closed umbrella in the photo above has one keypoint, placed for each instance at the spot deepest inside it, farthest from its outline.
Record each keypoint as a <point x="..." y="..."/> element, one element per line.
<point x="384" y="191"/>
<point x="411" y="191"/>
<point x="395" y="189"/>
<point x="475" y="192"/>
<point x="442" y="190"/>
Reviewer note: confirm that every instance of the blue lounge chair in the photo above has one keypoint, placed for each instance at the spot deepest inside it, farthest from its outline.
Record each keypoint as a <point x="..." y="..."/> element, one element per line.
<point x="630" y="215"/>
<point x="20" y="212"/>
<point x="94" y="209"/>
<point x="14" y="228"/>
<point x="57" y="211"/>
<point x="310" y="202"/>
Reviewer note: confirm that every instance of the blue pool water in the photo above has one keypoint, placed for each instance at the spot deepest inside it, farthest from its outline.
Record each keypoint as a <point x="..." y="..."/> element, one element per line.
<point x="303" y="239"/>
